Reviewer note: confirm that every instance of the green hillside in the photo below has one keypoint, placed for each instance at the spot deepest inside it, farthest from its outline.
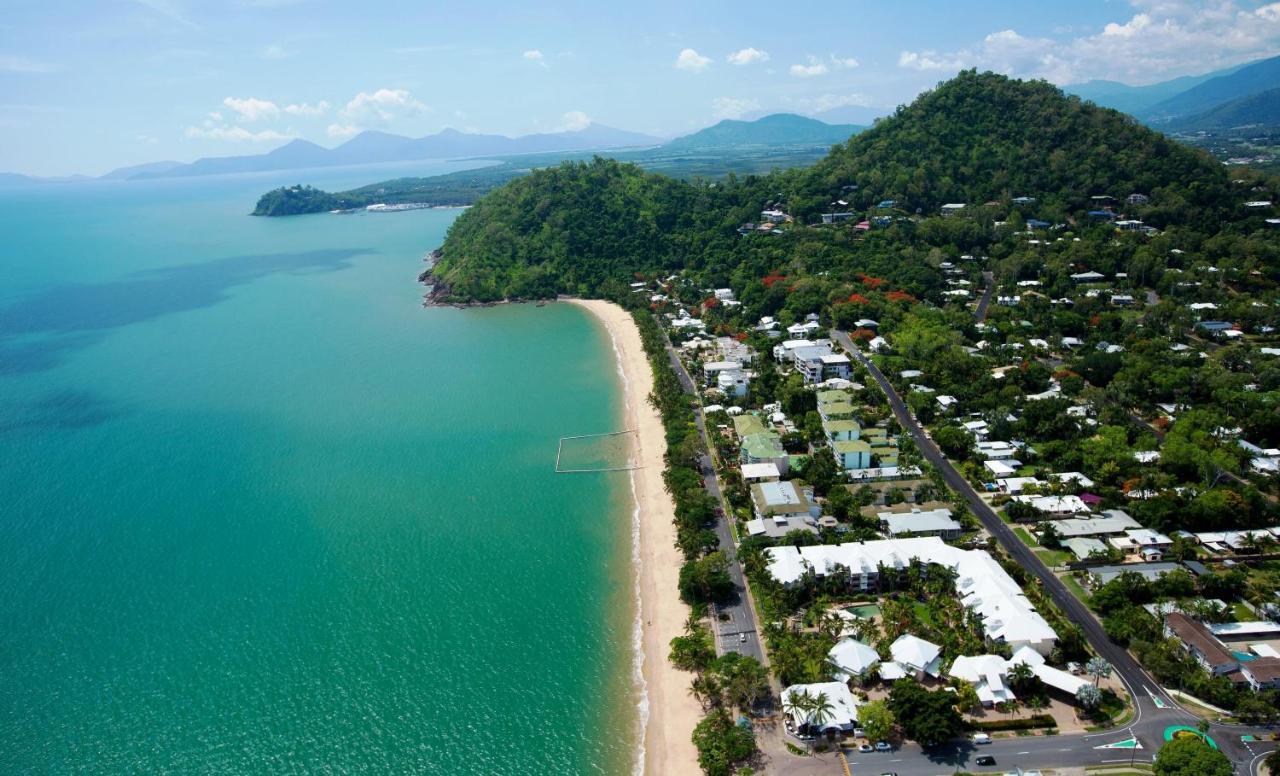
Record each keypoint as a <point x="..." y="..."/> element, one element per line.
<point x="588" y="228"/>
<point x="984" y="137"/>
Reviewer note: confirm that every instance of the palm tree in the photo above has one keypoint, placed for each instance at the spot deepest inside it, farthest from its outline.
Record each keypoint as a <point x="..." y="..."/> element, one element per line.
<point x="1020" y="675"/>
<point x="798" y="704"/>
<point x="1089" y="697"/>
<point x="821" y="711"/>
<point x="707" y="690"/>
<point x="1098" y="668"/>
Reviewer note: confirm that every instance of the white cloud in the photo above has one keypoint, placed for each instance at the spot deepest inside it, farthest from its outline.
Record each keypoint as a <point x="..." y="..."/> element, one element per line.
<point x="825" y="102"/>
<point x="10" y="63"/>
<point x="533" y="55"/>
<point x="383" y="105"/>
<point x="747" y="56"/>
<point x="275" y="51"/>
<point x="342" y="131"/>
<point x="733" y="107"/>
<point x="1159" y="39"/>
<point x="574" y="121"/>
<point x="216" y="115"/>
<point x="141" y="138"/>
<point x="843" y="63"/>
<point x="236" y="134"/>
<point x="815" y="67"/>
<point x="929" y="60"/>
<point x="307" y="110"/>
<point x="252" y="109"/>
<point x="692" y="61"/>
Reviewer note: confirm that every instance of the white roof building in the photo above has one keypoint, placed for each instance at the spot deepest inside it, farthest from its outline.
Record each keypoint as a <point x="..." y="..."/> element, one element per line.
<point x="760" y="472"/>
<point x="934" y="522"/>
<point x="1055" y="505"/>
<point x="844" y="714"/>
<point x="987" y="675"/>
<point x="916" y="655"/>
<point x="853" y="658"/>
<point x="981" y="582"/>
<point x="1112" y="521"/>
<point x="1080" y="479"/>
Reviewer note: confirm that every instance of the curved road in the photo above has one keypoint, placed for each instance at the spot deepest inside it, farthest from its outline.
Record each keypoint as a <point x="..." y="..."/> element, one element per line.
<point x="1154" y="709"/>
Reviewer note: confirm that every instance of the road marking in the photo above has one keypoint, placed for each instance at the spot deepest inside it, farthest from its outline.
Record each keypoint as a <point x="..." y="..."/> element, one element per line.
<point x="1024" y="753"/>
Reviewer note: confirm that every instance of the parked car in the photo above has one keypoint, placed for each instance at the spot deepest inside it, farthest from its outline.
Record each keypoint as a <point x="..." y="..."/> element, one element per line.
<point x="986" y="759"/>
<point x="742" y="637"/>
<point x="981" y="738"/>
<point x="883" y="746"/>
<point x="859" y="733"/>
<point x="864" y="748"/>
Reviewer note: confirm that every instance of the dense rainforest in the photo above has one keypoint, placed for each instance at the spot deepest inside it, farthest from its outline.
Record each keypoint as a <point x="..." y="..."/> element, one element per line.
<point x="981" y="139"/>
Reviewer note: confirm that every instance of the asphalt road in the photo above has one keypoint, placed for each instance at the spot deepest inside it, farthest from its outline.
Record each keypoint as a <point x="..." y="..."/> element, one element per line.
<point x="1155" y="709"/>
<point x="735" y="621"/>
<point x="980" y="314"/>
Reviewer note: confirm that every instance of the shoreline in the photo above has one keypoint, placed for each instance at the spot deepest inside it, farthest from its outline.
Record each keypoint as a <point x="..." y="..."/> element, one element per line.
<point x="667" y="712"/>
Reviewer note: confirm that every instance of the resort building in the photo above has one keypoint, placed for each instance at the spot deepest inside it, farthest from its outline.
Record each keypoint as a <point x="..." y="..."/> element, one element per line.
<point x="982" y="584"/>
<point x="912" y="657"/>
<point x="844" y="713"/>
<point x="851" y="658"/>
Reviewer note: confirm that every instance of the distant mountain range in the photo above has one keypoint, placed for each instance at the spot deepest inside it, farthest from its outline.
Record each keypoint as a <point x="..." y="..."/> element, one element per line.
<point x="1261" y="109"/>
<point x="370" y="147"/>
<point x="1182" y="101"/>
<point x="778" y="129"/>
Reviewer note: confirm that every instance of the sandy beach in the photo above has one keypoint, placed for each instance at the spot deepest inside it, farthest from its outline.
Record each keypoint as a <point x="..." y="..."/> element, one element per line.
<point x="672" y="711"/>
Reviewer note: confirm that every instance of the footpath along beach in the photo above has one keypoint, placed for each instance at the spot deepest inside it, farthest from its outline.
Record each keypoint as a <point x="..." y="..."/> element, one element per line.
<point x="672" y="711"/>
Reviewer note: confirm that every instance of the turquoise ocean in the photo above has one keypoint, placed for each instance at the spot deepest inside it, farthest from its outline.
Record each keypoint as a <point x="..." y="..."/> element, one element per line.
<point x="261" y="512"/>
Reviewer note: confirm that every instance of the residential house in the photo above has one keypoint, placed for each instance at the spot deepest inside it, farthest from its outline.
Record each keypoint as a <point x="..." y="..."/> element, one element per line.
<point x="781" y="499"/>
<point x="1109" y="523"/>
<point x="951" y="209"/>
<point x="1085" y="548"/>
<point x="778" y="526"/>
<point x="765" y="447"/>
<point x="907" y="520"/>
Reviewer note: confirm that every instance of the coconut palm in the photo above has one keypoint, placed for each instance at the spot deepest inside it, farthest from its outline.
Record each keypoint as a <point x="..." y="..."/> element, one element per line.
<point x="1098" y="668"/>
<point x="1020" y="675"/>
<point x="821" y="711"/>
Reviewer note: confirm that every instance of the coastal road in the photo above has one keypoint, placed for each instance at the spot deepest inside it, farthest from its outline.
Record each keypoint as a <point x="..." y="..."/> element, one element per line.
<point x="1154" y="708"/>
<point x="734" y="622"/>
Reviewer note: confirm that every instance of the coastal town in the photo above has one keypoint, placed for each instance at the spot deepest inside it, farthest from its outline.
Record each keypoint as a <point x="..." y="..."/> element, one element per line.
<point x="968" y="521"/>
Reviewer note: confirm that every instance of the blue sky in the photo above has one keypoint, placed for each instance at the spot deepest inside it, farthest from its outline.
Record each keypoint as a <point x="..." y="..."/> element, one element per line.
<point x="88" y="86"/>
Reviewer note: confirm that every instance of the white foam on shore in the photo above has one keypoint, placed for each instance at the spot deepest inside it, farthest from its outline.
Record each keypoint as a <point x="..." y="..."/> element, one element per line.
<point x="637" y="625"/>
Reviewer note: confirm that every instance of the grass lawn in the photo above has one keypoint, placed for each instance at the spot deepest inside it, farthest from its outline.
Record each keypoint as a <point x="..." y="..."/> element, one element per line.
<point x="923" y="613"/>
<point x="1054" y="557"/>
<point x="1025" y="536"/>
<point x="1242" y="612"/>
<point x="1074" y="587"/>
